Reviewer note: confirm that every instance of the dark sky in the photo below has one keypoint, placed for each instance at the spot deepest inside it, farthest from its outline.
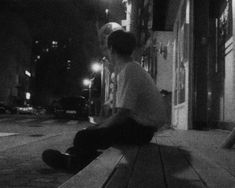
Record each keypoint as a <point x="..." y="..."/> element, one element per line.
<point x="73" y="23"/>
<point x="53" y="19"/>
<point x="59" y="20"/>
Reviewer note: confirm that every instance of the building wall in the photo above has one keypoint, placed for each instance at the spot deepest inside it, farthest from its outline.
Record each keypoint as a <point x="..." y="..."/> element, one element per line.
<point x="229" y="82"/>
<point x="15" y="54"/>
<point x="181" y="68"/>
<point x="214" y="63"/>
<point x="229" y="61"/>
<point x="163" y="60"/>
<point x="203" y="66"/>
<point x="164" y="51"/>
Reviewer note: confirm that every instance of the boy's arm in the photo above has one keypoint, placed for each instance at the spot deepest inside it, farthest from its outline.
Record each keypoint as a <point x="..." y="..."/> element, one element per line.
<point x="116" y="118"/>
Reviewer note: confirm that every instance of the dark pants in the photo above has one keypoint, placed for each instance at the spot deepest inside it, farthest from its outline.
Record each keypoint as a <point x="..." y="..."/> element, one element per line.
<point x="127" y="132"/>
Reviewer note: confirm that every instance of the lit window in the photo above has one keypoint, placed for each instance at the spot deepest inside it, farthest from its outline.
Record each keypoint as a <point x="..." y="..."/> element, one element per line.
<point x="45" y="50"/>
<point x="54" y="44"/>
<point x="27" y="73"/>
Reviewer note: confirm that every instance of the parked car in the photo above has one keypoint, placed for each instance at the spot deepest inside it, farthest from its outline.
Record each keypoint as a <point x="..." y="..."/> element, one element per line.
<point x="71" y="107"/>
<point x="25" y="109"/>
<point x="2" y="108"/>
<point x="7" y="109"/>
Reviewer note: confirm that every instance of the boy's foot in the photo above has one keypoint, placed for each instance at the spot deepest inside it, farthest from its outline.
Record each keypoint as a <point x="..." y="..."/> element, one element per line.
<point x="67" y="162"/>
<point x="58" y="160"/>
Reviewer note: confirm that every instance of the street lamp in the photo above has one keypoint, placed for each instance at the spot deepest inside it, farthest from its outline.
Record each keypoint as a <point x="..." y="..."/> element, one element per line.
<point x="27" y="95"/>
<point x="96" y="67"/>
<point x="86" y="82"/>
<point x="106" y="15"/>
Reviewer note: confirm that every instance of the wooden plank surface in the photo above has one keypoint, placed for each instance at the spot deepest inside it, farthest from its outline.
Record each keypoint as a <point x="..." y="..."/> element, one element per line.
<point x="210" y="174"/>
<point x="147" y="172"/>
<point x="123" y="171"/>
<point x="97" y="172"/>
<point x="213" y="175"/>
<point x="178" y="171"/>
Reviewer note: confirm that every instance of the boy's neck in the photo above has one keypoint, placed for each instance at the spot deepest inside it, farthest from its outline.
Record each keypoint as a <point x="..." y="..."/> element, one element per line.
<point x="122" y="60"/>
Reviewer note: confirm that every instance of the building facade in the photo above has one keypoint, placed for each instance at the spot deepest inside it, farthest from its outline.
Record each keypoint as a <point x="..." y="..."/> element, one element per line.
<point x="188" y="48"/>
<point x="15" y="53"/>
<point x="202" y="47"/>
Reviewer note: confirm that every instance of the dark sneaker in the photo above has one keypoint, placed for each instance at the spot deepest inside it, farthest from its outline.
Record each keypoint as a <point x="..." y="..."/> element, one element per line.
<point x="67" y="162"/>
<point x="58" y="160"/>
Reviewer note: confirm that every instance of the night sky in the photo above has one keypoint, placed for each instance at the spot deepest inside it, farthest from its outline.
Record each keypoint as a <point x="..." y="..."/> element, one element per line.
<point x="72" y="24"/>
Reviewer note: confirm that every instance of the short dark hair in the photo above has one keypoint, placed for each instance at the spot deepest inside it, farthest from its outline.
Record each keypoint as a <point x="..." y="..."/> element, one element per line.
<point x="122" y="42"/>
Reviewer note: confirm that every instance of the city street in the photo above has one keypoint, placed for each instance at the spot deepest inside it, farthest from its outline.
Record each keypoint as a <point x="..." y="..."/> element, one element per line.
<point x="22" y="140"/>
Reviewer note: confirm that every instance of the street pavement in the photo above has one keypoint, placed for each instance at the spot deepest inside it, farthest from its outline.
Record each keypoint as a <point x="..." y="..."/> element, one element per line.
<point x="24" y="137"/>
<point x="22" y="140"/>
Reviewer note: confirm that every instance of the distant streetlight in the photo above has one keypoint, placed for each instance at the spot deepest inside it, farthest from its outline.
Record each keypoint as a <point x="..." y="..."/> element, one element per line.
<point x="86" y="82"/>
<point x="106" y="11"/>
<point x="96" y="67"/>
<point x="27" y="95"/>
<point x="106" y="15"/>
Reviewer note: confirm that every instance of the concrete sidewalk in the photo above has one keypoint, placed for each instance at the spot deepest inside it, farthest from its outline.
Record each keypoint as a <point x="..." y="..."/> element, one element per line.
<point x="206" y="144"/>
<point x="20" y="155"/>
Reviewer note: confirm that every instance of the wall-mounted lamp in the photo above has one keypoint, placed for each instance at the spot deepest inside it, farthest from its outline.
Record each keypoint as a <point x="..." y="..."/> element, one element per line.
<point x="163" y="51"/>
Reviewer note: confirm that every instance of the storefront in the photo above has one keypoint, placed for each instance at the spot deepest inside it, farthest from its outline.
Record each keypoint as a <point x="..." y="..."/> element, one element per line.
<point x="221" y="78"/>
<point x="203" y="65"/>
<point x="182" y="67"/>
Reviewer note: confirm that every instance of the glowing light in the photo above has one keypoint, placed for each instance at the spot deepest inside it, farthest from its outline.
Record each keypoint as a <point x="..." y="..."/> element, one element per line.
<point x="27" y="73"/>
<point x="46" y="50"/>
<point x="54" y="42"/>
<point x="96" y="67"/>
<point x="27" y="95"/>
<point x="86" y="82"/>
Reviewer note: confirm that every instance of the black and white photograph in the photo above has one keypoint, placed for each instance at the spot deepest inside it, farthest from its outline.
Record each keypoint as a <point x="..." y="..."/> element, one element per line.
<point x="117" y="94"/>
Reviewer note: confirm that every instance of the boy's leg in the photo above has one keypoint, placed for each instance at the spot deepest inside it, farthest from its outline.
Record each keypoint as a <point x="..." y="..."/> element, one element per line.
<point x="127" y="132"/>
<point x="86" y="143"/>
<point x="84" y="150"/>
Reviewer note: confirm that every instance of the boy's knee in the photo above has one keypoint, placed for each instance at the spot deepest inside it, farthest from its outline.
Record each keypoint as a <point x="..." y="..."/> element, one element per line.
<point x="81" y="137"/>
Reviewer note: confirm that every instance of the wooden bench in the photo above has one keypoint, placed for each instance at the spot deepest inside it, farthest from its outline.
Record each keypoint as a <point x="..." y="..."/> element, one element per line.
<point x="157" y="165"/>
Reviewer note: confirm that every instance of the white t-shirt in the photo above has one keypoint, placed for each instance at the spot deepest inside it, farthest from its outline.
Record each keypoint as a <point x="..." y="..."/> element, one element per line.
<point x="137" y="92"/>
